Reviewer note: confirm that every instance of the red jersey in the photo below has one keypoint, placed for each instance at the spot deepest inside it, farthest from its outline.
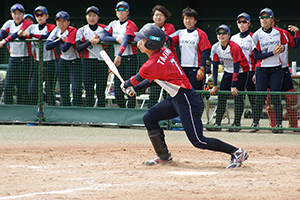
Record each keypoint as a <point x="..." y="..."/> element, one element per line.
<point x="163" y="68"/>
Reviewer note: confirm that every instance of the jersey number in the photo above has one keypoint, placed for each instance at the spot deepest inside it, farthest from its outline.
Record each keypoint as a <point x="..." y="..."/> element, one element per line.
<point x="175" y="63"/>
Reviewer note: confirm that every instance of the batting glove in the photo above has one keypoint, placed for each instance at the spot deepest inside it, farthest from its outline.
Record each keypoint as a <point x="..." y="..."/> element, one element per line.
<point x="200" y="74"/>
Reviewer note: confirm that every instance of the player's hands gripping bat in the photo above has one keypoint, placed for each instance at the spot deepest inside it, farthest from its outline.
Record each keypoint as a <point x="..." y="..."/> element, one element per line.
<point x="130" y="91"/>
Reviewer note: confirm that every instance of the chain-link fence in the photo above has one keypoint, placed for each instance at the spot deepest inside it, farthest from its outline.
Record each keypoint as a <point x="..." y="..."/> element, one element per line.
<point x="87" y="82"/>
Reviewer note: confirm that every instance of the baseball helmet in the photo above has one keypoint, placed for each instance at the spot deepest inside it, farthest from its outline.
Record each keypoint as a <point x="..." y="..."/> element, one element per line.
<point x="62" y="14"/>
<point x="155" y="36"/>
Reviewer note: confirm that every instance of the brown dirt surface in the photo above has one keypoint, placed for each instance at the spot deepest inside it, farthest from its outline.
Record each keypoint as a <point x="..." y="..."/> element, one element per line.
<point x="107" y="163"/>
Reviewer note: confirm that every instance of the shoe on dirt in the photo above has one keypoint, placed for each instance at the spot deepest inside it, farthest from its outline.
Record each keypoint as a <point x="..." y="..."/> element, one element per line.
<point x="237" y="158"/>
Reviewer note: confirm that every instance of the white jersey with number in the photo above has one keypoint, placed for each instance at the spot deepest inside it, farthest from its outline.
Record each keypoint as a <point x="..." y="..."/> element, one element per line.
<point x="85" y="33"/>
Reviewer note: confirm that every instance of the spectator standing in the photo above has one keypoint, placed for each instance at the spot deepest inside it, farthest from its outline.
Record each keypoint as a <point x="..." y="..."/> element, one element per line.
<point x="194" y="46"/>
<point x="41" y="31"/>
<point x="20" y="60"/>
<point x="94" y="69"/>
<point x="126" y="55"/>
<point x="236" y="67"/>
<point x="268" y="43"/>
<point x="69" y="67"/>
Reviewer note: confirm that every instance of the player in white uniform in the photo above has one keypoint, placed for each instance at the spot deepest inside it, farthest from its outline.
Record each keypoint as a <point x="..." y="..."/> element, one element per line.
<point x="94" y="69"/>
<point x="20" y="60"/>
<point x="244" y="40"/>
<point x="194" y="46"/>
<point x="287" y="83"/>
<point x="268" y="43"/>
<point x="236" y="67"/>
<point x="42" y="30"/>
<point x="126" y="55"/>
<point x="69" y="67"/>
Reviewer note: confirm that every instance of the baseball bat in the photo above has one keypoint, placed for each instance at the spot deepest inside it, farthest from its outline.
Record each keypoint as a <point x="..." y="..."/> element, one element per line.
<point x="114" y="69"/>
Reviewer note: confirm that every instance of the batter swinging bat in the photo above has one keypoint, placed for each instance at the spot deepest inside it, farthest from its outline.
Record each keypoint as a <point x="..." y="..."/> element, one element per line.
<point x="130" y="91"/>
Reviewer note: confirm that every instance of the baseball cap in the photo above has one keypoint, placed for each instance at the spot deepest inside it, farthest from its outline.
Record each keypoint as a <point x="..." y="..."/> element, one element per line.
<point x="28" y="15"/>
<point x="124" y="4"/>
<point x="62" y="14"/>
<point x="42" y="9"/>
<point x="245" y="15"/>
<point x="268" y="11"/>
<point x="223" y="26"/>
<point x="93" y="9"/>
<point x="17" y="6"/>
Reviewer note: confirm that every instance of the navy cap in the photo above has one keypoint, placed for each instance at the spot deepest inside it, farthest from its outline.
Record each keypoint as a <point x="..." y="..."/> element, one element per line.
<point x="42" y="9"/>
<point x="124" y="4"/>
<point x="62" y="14"/>
<point x="93" y="9"/>
<point x="28" y="15"/>
<point x="245" y="15"/>
<point x="223" y="26"/>
<point x="17" y="6"/>
<point x="268" y="11"/>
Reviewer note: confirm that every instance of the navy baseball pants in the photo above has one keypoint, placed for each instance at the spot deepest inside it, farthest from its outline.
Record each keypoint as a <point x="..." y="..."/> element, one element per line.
<point x="187" y="105"/>
<point x="266" y="77"/>
<point x="70" y="72"/>
<point x="238" y="100"/>
<point x="94" y="71"/>
<point x="17" y="74"/>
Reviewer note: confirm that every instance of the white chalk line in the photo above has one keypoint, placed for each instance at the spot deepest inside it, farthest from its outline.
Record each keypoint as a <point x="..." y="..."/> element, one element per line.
<point x="192" y="173"/>
<point x="95" y="187"/>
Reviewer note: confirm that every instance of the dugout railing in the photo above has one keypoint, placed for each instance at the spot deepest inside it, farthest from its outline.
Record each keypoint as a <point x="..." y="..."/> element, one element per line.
<point x="43" y="113"/>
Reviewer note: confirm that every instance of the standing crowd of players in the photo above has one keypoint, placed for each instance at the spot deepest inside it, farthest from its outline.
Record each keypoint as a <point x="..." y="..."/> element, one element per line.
<point x="256" y="62"/>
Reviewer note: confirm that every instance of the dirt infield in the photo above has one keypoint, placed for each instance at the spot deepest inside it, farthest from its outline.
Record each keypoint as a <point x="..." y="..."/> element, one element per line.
<point x="106" y="163"/>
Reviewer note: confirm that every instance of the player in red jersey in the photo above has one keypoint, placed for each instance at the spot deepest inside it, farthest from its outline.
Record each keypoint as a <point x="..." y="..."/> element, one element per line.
<point x="161" y="68"/>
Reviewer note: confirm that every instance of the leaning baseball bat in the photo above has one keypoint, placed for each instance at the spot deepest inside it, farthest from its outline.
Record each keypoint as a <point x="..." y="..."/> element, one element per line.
<point x="130" y="91"/>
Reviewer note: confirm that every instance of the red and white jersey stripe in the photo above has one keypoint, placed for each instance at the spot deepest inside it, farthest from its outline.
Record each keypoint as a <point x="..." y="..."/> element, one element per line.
<point x="232" y="54"/>
<point x="191" y="45"/>
<point x="246" y="45"/>
<point x="70" y="35"/>
<point x="47" y="54"/>
<point x="118" y="30"/>
<point x="18" y="49"/>
<point x="266" y="42"/>
<point x="86" y="33"/>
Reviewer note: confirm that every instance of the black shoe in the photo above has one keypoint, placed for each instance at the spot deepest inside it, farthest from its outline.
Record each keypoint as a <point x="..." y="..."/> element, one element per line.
<point x="279" y="130"/>
<point x="214" y="128"/>
<point x="234" y="129"/>
<point x="254" y="126"/>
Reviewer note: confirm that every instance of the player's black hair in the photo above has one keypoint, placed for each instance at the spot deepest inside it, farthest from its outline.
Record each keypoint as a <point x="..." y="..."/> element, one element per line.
<point x="189" y="12"/>
<point x="162" y="9"/>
